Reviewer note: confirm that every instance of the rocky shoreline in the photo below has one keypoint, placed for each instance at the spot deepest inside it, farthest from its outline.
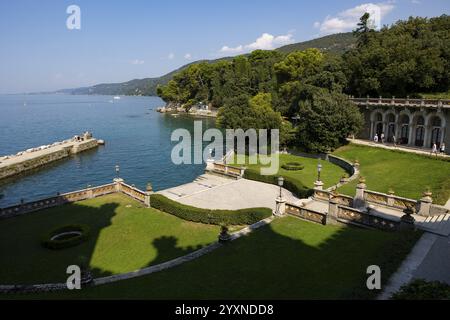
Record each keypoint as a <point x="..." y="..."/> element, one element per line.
<point x="197" y="111"/>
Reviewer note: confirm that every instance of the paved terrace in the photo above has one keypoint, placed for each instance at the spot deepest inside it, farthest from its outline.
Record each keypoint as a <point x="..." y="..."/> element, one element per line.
<point x="210" y="191"/>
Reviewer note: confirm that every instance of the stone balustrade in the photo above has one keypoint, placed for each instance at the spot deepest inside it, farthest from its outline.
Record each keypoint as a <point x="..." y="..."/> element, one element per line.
<point x="304" y="213"/>
<point x="380" y="101"/>
<point x="92" y="192"/>
<point x="232" y="171"/>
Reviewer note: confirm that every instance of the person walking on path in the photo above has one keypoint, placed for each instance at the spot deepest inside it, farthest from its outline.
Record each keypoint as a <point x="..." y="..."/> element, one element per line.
<point x="394" y="140"/>
<point x="382" y="137"/>
<point x="375" y="139"/>
<point x="442" y="149"/>
<point x="434" y="149"/>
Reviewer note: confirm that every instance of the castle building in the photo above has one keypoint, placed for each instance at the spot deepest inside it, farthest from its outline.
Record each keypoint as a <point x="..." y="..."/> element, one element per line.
<point x="417" y="123"/>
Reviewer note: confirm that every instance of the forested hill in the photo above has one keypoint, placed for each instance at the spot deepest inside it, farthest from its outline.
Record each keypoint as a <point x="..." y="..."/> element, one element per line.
<point x="337" y="43"/>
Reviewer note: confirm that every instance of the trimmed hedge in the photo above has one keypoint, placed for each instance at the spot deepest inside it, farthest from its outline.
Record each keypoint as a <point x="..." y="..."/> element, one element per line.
<point x="293" y="185"/>
<point x="57" y="244"/>
<point x="208" y="216"/>
<point x="293" y="166"/>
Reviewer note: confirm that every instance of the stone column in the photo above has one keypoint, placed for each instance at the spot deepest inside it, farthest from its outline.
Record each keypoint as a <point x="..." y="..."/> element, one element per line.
<point x="148" y="193"/>
<point x="425" y="204"/>
<point x="332" y="214"/>
<point x="210" y="165"/>
<point x="90" y="192"/>
<point x="280" y="207"/>
<point x="117" y="182"/>
<point x="318" y="185"/>
<point x="358" y="200"/>
<point x="390" y="198"/>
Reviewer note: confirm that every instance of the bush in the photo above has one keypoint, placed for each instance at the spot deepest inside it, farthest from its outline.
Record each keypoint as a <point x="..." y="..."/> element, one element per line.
<point x="208" y="216"/>
<point x="57" y="244"/>
<point x="293" y="185"/>
<point x="422" y="290"/>
<point x="292" y="166"/>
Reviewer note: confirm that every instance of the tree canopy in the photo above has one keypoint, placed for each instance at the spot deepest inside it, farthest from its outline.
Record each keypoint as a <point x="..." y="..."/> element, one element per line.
<point x="258" y="89"/>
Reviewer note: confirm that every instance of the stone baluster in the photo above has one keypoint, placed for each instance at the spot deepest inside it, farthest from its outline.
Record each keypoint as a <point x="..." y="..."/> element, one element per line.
<point x="425" y="204"/>
<point x="380" y="100"/>
<point x="358" y="200"/>
<point x="333" y="210"/>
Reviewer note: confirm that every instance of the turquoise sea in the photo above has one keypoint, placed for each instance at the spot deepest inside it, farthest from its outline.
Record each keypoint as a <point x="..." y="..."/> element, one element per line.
<point x="137" y="139"/>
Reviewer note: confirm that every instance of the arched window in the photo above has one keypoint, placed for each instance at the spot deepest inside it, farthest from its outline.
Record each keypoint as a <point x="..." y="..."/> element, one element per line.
<point x="378" y="117"/>
<point x="404" y="131"/>
<point x="420" y="121"/>
<point x="391" y="118"/>
<point x="436" y="122"/>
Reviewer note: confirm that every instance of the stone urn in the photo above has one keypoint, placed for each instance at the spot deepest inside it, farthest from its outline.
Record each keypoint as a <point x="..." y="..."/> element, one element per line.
<point x="224" y="235"/>
<point x="407" y="220"/>
<point x="149" y="187"/>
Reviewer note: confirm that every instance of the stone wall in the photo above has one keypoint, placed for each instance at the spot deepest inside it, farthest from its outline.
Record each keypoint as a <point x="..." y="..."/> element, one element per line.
<point x="17" y="168"/>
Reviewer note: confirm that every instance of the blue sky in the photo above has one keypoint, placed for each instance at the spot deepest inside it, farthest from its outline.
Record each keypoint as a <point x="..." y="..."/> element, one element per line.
<point x="124" y="40"/>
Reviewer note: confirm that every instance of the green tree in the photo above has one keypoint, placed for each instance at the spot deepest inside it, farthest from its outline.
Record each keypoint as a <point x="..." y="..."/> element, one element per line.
<point x="326" y="120"/>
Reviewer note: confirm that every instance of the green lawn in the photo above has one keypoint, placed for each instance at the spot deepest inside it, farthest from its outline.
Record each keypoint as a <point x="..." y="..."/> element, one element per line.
<point x="407" y="174"/>
<point x="124" y="236"/>
<point x="288" y="259"/>
<point x="330" y="174"/>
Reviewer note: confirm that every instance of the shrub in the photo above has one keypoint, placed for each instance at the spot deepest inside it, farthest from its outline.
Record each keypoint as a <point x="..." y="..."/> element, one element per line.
<point x="208" y="216"/>
<point x="293" y="185"/>
<point x="292" y="166"/>
<point x="422" y="290"/>
<point x="62" y="243"/>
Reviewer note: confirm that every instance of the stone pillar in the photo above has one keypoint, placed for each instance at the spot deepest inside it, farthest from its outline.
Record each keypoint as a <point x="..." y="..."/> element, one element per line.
<point x="280" y="207"/>
<point x="390" y="198"/>
<point x="332" y="214"/>
<point x="117" y="182"/>
<point x="90" y="192"/>
<point x="425" y="204"/>
<point x="358" y="200"/>
<point x="148" y="193"/>
<point x="209" y="164"/>
<point x="318" y="185"/>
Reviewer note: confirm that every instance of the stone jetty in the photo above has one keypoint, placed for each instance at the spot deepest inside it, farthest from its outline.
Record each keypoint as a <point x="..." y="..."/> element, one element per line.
<point x="37" y="157"/>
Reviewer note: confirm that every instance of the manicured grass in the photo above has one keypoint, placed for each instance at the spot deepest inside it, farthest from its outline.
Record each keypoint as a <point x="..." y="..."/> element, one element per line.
<point x="288" y="259"/>
<point x="330" y="174"/>
<point x="124" y="236"/>
<point x="409" y="175"/>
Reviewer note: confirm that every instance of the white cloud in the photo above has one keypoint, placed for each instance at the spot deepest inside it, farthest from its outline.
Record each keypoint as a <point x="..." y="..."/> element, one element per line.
<point x="171" y="56"/>
<point x="137" y="61"/>
<point x="188" y="56"/>
<point x="348" y="19"/>
<point x="265" y="42"/>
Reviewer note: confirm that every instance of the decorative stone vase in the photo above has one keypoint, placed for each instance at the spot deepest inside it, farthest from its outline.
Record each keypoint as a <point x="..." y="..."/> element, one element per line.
<point x="224" y="236"/>
<point x="407" y="220"/>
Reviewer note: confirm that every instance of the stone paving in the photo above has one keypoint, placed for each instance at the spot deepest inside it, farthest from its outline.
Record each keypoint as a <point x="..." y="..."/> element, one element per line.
<point x="215" y="192"/>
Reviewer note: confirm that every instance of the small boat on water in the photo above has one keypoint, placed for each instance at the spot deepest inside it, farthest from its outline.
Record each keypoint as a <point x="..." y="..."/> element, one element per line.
<point x="116" y="98"/>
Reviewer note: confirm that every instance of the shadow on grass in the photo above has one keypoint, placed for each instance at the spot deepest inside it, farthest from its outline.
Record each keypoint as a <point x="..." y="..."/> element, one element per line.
<point x="289" y="259"/>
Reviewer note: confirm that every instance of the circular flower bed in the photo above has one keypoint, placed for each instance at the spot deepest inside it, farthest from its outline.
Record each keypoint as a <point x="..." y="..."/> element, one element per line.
<point x="66" y="236"/>
<point x="292" y="166"/>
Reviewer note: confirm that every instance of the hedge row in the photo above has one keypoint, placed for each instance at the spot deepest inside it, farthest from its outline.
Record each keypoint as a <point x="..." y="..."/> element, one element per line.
<point x="208" y="216"/>
<point x="293" y="166"/>
<point x="57" y="244"/>
<point x="293" y="185"/>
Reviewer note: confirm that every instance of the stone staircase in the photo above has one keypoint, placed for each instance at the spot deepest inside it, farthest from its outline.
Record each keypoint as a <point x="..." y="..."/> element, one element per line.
<point x="439" y="225"/>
